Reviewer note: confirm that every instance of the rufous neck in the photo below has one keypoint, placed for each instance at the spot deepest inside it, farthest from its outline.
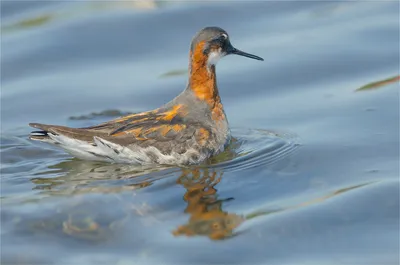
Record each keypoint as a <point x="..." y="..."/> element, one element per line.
<point x="202" y="77"/>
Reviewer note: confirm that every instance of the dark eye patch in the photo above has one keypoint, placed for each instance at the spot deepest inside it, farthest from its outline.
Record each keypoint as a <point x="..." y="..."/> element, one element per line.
<point x="218" y="40"/>
<point x="215" y="43"/>
<point x="222" y="38"/>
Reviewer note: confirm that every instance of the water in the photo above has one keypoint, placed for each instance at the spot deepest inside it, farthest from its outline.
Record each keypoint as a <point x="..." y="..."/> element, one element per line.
<point x="312" y="178"/>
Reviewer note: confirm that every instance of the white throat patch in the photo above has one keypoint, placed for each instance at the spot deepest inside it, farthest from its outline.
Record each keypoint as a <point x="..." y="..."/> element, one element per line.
<point x="214" y="57"/>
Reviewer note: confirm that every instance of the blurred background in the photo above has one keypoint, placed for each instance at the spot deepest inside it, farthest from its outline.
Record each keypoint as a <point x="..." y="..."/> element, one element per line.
<point x="312" y="176"/>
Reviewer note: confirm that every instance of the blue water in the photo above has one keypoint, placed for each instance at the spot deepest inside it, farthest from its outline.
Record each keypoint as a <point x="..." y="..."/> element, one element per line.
<point x="313" y="174"/>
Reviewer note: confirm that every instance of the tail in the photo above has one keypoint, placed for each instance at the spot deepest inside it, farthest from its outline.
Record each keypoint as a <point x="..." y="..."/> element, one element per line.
<point x="41" y="135"/>
<point x="75" y="141"/>
<point x="82" y="143"/>
<point x="47" y="133"/>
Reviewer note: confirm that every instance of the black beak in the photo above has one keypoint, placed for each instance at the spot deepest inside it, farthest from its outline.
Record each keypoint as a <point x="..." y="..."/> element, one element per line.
<point x="232" y="50"/>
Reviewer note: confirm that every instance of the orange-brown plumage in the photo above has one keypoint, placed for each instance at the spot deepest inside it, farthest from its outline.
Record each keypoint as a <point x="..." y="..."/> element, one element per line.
<point x="203" y="81"/>
<point x="176" y="110"/>
<point x="203" y="136"/>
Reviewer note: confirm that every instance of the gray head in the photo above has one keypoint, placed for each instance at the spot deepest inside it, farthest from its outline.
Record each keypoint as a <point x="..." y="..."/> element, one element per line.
<point x="214" y="44"/>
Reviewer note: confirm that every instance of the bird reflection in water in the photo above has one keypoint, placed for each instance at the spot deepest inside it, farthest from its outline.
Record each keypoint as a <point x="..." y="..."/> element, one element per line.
<point x="88" y="217"/>
<point x="207" y="217"/>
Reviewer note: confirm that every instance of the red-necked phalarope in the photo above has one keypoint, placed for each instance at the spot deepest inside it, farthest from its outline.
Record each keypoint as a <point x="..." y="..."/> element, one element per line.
<point x="187" y="130"/>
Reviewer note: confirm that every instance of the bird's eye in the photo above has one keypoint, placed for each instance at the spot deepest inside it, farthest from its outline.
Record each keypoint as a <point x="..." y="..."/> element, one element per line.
<point x="223" y="38"/>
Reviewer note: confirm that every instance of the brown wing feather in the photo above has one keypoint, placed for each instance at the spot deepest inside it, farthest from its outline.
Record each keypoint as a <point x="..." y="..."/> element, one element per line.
<point x="117" y="124"/>
<point x="144" y="119"/>
<point x="161" y="129"/>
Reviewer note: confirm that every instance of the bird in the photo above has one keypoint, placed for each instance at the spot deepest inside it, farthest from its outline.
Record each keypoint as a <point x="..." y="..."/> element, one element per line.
<point x="187" y="130"/>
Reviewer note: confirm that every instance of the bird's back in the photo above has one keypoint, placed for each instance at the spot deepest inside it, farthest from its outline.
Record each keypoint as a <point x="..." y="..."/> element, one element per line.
<point x="180" y="132"/>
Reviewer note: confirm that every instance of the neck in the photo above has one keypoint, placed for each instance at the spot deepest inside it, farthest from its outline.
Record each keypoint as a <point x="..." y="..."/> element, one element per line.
<point x="203" y="82"/>
<point x="202" y="78"/>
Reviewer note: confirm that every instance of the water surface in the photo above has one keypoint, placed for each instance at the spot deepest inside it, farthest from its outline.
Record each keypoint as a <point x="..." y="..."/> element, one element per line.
<point x="311" y="178"/>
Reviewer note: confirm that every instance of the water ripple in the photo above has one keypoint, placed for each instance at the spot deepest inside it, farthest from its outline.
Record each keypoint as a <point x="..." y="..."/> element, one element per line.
<point x="254" y="147"/>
